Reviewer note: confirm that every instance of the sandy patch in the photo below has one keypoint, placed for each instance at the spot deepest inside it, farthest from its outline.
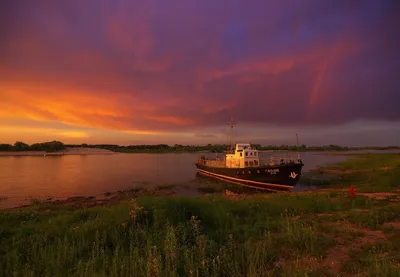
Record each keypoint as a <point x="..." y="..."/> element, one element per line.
<point x="339" y="254"/>
<point x="393" y="224"/>
<point x="350" y="171"/>
<point x="308" y="263"/>
<point x="379" y="195"/>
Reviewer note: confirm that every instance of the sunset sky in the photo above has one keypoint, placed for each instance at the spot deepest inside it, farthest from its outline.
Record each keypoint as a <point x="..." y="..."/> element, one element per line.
<point x="153" y="71"/>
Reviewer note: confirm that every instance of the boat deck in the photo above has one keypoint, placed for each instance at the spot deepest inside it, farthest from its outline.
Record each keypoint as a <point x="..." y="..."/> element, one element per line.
<point x="270" y="161"/>
<point x="214" y="163"/>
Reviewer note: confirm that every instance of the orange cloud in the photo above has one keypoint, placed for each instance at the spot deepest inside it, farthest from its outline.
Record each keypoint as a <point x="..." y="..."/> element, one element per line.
<point x="73" y="108"/>
<point x="120" y="111"/>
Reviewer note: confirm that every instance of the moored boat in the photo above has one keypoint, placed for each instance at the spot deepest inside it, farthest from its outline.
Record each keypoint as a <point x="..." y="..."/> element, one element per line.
<point x="244" y="167"/>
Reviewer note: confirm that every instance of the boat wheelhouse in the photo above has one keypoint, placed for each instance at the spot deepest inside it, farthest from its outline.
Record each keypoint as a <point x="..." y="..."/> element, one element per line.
<point x="244" y="166"/>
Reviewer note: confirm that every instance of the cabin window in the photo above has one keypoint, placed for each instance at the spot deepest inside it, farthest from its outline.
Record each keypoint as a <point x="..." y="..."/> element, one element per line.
<point x="251" y="153"/>
<point x="255" y="162"/>
<point x="241" y="154"/>
<point x="255" y="153"/>
<point x="246" y="163"/>
<point x="251" y="163"/>
<point x="246" y="153"/>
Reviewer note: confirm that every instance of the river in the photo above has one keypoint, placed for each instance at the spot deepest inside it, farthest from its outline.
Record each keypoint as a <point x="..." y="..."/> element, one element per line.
<point x="25" y="177"/>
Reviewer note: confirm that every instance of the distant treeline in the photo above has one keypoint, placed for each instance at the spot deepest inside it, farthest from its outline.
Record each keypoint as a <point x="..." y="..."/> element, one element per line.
<point x="223" y="147"/>
<point x="330" y="147"/>
<point x="164" y="148"/>
<point x="157" y="148"/>
<point x="50" y="146"/>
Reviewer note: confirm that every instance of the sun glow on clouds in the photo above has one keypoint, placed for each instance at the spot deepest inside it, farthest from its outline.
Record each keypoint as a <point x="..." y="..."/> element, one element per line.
<point x="79" y="109"/>
<point x="142" y="132"/>
<point x="72" y="134"/>
<point x="21" y="133"/>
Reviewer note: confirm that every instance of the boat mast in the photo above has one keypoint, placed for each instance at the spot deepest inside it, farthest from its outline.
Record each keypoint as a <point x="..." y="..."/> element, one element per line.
<point x="231" y="124"/>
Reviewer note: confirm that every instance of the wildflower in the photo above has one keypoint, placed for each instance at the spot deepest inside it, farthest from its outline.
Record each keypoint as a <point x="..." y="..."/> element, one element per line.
<point x="135" y="210"/>
<point x="216" y="260"/>
<point x="195" y="223"/>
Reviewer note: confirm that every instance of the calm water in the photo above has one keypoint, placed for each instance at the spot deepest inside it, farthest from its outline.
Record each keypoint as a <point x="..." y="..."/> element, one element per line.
<point x="22" y="178"/>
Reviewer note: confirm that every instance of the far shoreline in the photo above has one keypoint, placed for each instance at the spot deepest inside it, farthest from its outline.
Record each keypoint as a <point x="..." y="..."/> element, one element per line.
<point x="69" y="151"/>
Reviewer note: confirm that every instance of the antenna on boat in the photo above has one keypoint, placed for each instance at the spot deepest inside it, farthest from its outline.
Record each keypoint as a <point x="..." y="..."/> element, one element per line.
<point x="298" y="151"/>
<point x="231" y="124"/>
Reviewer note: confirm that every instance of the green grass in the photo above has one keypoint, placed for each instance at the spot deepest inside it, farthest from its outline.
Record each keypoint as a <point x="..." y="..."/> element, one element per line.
<point x="374" y="219"/>
<point x="364" y="171"/>
<point x="368" y="162"/>
<point x="284" y="234"/>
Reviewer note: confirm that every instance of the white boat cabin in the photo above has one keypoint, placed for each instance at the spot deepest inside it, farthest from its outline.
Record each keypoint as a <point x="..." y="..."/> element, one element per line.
<point x="244" y="156"/>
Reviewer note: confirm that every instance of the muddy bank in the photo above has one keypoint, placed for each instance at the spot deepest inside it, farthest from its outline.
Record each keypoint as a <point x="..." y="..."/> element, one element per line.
<point x="113" y="198"/>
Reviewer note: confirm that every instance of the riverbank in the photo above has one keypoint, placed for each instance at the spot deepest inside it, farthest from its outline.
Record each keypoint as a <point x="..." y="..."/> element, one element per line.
<point x="67" y="151"/>
<point x="98" y="151"/>
<point x="324" y="232"/>
<point x="102" y="151"/>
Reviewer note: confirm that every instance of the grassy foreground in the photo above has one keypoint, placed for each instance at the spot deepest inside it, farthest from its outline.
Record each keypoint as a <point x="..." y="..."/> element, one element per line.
<point x="318" y="233"/>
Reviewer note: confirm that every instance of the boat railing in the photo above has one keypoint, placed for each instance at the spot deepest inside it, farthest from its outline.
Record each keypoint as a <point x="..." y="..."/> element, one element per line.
<point x="282" y="158"/>
<point x="214" y="163"/>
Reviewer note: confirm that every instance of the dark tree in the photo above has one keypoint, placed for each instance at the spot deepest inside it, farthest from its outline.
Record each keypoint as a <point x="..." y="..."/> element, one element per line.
<point x="20" y="146"/>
